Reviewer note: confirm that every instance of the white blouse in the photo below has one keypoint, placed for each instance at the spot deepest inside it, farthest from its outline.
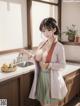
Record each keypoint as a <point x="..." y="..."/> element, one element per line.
<point x="58" y="57"/>
<point x="58" y="86"/>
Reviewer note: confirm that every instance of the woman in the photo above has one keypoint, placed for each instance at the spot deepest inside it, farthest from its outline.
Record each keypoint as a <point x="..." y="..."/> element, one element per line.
<point x="50" y="87"/>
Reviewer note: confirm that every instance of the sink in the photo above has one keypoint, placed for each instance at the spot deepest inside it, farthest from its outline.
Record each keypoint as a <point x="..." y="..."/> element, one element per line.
<point x="25" y="64"/>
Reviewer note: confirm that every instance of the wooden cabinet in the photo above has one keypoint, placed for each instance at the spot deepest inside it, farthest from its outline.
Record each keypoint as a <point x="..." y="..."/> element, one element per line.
<point x="73" y="84"/>
<point x="17" y="89"/>
<point x="10" y="90"/>
<point x="25" y="86"/>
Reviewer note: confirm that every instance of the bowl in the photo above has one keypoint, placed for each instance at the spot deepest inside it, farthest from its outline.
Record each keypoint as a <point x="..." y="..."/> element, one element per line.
<point x="8" y="68"/>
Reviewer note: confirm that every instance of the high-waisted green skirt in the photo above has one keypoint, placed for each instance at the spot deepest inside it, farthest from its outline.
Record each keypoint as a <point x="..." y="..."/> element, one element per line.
<point x="43" y="88"/>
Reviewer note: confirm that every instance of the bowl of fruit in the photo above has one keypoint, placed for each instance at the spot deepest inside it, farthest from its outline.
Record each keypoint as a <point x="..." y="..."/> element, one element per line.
<point x="8" y="68"/>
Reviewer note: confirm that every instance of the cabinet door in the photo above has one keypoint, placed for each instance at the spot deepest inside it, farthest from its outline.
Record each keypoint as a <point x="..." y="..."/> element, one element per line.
<point x="10" y="90"/>
<point x="73" y="85"/>
<point x="25" y="86"/>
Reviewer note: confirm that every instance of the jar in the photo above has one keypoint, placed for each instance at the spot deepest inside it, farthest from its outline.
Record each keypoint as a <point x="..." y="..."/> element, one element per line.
<point x="77" y="39"/>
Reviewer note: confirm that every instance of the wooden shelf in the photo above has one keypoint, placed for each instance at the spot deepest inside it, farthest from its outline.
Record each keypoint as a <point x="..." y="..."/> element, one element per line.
<point x="73" y="61"/>
<point x="70" y="43"/>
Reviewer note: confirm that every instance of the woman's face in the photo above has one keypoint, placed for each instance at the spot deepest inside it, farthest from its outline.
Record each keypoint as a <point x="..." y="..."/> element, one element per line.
<point x="48" y="33"/>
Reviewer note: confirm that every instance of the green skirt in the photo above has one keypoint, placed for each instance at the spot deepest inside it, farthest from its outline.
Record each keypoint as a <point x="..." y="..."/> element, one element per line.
<point x="43" y="88"/>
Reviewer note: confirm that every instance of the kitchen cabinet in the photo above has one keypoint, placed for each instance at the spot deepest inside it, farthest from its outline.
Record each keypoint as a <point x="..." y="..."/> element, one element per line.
<point x="25" y="86"/>
<point x="10" y="90"/>
<point x="73" y="84"/>
<point x="16" y="89"/>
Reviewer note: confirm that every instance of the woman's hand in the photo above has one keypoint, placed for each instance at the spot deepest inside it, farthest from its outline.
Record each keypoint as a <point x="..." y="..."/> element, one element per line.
<point x="38" y="57"/>
<point x="44" y="65"/>
<point x="27" y="53"/>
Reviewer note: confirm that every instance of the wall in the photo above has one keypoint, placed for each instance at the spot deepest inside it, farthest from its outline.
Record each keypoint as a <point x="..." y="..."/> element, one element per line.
<point x="71" y="15"/>
<point x="8" y="58"/>
<point x="72" y="52"/>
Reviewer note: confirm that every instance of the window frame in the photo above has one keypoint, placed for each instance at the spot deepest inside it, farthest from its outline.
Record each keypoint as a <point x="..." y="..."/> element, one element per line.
<point x="3" y="52"/>
<point x="29" y="24"/>
<point x="29" y="20"/>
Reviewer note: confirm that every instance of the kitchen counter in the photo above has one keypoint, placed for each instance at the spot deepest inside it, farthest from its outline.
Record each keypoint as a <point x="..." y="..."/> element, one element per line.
<point x="70" y="67"/>
<point x="19" y="83"/>
<point x="20" y="71"/>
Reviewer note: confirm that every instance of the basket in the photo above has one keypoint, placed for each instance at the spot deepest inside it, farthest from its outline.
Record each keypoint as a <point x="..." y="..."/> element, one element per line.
<point x="8" y="69"/>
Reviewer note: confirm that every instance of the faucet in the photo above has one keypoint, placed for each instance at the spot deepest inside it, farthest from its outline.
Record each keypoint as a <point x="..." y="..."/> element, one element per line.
<point x="20" y="58"/>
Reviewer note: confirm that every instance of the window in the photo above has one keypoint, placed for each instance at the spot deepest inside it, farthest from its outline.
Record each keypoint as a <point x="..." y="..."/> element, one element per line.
<point x="20" y="26"/>
<point x="40" y="11"/>
<point x="13" y="33"/>
<point x="52" y="1"/>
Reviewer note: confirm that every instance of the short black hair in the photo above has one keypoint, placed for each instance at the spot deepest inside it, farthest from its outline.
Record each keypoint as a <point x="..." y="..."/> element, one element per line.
<point x="49" y="23"/>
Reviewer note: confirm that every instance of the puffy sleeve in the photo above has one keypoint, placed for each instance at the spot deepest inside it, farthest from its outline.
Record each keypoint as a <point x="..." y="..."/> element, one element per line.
<point x="60" y="62"/>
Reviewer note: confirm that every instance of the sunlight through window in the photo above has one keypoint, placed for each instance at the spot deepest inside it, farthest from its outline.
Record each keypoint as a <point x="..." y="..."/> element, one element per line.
<point x="39" y="12"/>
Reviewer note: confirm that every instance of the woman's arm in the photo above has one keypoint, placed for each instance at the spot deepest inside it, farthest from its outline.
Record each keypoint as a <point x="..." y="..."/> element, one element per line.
<point x="39" y="52"/>
<point x="26" y="53"/>
<point x="37" y="55"/>
<point x="61" y="63"/>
